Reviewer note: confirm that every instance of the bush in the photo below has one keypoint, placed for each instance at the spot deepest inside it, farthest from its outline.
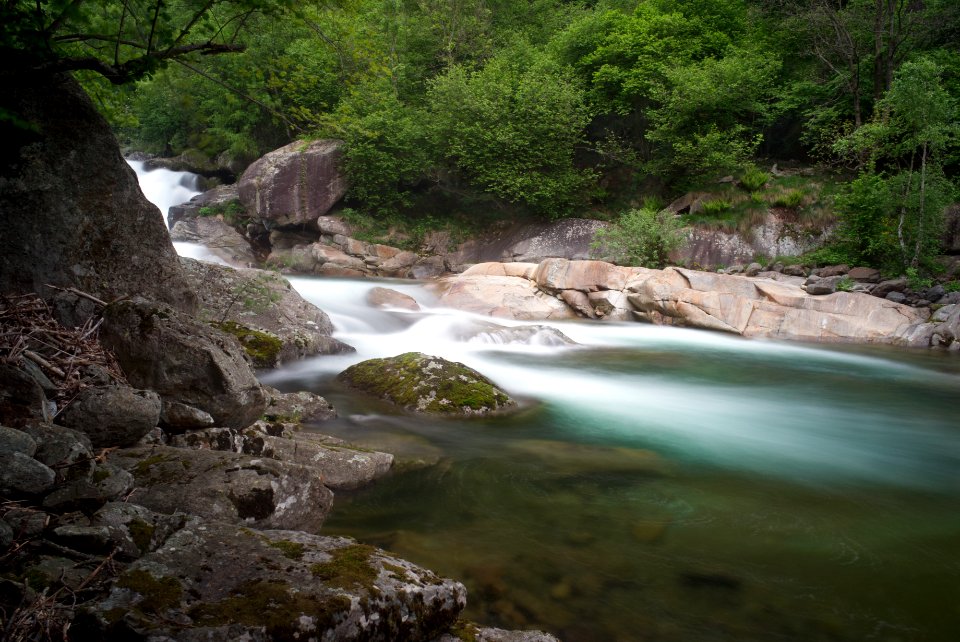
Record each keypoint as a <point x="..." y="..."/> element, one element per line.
<point x="715" y="207"/>
<point x="642" y="237"/>
<point x="792" y="199"/>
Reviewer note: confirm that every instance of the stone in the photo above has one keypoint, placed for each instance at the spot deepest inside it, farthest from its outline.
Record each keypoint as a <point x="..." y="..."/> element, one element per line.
<point x="487" y="634"/>
<point x="884" y="288"/>
<point x="302" y="587"/>
<point x="896" y="297"/>
<point x="579" y="302"/>
<point x="21" y="474"/>
<point x="834" y="270"/>
<point x="864" y="274"/>
<point x="298" y="259"/>
<point x="822" y="285"/>
<point x="428" y="268"/>
<point x="66" y="450"/>
<point x="89" y="539"/>
<point x="112" y="415"/>
<point x="425" y="384"/>
<point x="568" y="238"/>
<point x="16" y="441"/>
<point x="331" y="225"/>
<point x="610" y="304"/>
<point x="327" y="255"/>
<point x="6" y="535"/>
<point x="32" y="369"/>
<point x="339" y="465"/>
<point x="510" y="297"/>
<point x="295" y="184"/>
<point x="218" y="198"/>
<point x="297" y="407"/>
<point x="224" y="486"/>
<point x="795" y="270"/>
<point x="753" y="269"/>
<point x="21" y="398"/>
<point x="105" y="483"/>
<point x="134" y="530"/>
<point x="71" y="206"/>
<point x="941" y="315"/>
<point x="399" y="265"/>
<point x="263" y="302"/>
<point x="935" y="293"/>
<point x="26" y="522"/>
<point x="285" y="239"/>
<point x="177" y="416"/>
<point x="555" y="275"/>
<point x="538" y="335"/>
<point x="523" y="270"/>
<point x="183" y="360"/>
<point x="386" y="298"/>
<point x="219" y="237"/>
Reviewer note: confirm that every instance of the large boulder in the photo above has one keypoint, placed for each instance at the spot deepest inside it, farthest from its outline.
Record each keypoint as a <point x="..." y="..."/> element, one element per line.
<point x="296" y="586"/>
<point x="218" y="198"/>
<point x="183" y="360"/>
<point x="295" y="184"/>
<point x="263" y="303"/>
<point x="71" y="209"/>
<point x="228" y="487"/>
<point x="767" y="308"/>
<point x="509" y="297"/>
<point x="421" y="383"/>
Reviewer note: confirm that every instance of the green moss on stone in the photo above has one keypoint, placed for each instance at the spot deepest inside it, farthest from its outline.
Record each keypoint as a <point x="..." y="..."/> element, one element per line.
<point x="143" y="466"/>
<point x="141" y="533"/>
<point x="466" y="631"/>
<point x="348" y="567"/>
<point x="427" y="384"/>
<point x="291" y="550"/>
<point x="262" y="348"/>
<point x="99" y="475"/>
<point x="273" y="605"/>
<point x="158" y="594"/>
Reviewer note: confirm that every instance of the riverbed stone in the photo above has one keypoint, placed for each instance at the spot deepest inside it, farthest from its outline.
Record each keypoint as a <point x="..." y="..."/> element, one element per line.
<point x="217" y="236"/>
<point x="387" y="298"/>
<point x="104" y="483"/>
<point x="421" y="383"/>
<point x="17" y="441"/>
<point x="509" y="297"/>
<point x="112" y="415"/>
<point x="297" y="407"/>
<point x="183" y="360"/>
<point x="22" y="400"/>
<point x="66" y="450"/>
<point x="217" y="198"/>
<point x="225" y="486"/>
<point x="21" y="474"/>
<point x="295" y="184"/>
<point x="301" y="587"/>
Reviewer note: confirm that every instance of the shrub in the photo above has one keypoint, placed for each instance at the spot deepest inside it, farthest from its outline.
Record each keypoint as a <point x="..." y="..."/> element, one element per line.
<point x="641" y="237"/>
<point x="715" y="207"/>
<point x="792" y="199"/>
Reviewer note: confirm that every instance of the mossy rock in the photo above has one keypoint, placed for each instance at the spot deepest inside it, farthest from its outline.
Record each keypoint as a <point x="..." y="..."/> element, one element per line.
<point x="263" y="348"/>
<point x="425" y="384"/>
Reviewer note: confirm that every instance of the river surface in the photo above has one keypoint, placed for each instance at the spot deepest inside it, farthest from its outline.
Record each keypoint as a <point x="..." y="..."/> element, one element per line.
<point x="659" y="483"/>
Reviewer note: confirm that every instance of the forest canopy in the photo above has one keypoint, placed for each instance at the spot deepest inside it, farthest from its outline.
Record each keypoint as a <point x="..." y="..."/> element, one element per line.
<point x="546" y="107"/>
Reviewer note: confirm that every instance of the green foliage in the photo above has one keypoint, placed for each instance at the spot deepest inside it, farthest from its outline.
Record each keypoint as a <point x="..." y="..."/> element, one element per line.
<point x="715" y="207"/>
<point x="845" y="284"/>
<point x="754" y="179"/>
<point x="232" y="212"/>
<point x="952" y="286"/>
<point x="791" y="199"/>
<point x="641" y="237"/>
<point x="917" y="281"/>
<point x="511" y="128"/>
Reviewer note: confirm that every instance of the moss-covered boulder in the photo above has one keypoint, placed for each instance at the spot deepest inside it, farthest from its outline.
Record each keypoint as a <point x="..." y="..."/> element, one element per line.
<point x="421" y="383"/>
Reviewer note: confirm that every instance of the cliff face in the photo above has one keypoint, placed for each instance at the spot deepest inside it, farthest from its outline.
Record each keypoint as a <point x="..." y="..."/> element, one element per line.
<point x="71" y="211"/>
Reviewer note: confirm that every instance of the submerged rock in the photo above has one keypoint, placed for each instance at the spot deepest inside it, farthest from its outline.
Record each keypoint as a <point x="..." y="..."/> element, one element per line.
<point x="421" y="383"/>
<point x="296" y="587"/>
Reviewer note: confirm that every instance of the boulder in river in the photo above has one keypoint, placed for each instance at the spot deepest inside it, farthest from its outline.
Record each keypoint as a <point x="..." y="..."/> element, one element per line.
<point x="421" y="383"/>
<point x="295" y="184"/>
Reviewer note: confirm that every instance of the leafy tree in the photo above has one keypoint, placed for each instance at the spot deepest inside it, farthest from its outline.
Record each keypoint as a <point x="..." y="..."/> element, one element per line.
<point x="511" y="128"/>
<point x="904" y="183"/>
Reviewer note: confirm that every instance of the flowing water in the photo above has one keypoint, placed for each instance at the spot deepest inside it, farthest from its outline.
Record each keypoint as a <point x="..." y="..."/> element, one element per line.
<point x="662" y="484"/>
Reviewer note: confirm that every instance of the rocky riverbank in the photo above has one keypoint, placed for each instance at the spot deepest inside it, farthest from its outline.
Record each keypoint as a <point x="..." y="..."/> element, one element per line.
<point x="133" y="485"/>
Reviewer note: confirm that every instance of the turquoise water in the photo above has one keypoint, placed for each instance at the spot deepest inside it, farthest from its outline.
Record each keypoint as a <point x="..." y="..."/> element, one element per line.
<point x="663" y="484"/>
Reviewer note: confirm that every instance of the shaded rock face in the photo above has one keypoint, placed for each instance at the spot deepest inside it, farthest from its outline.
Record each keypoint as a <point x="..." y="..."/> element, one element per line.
<point x="295" y="184"/>
<point x="218" y="196"/>
<point x="183" y="361"/>
<point x="227" y="487"/>
<point x="112" y="415"/>
<point x="263" y="302"/>
<point x="421" y="383"/>
<point x="302" y="587"/>
<point x="71" y="210"/>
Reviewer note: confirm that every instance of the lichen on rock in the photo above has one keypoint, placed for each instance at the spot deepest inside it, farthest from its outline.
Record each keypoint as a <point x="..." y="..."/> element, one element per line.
<point x="426" y="384"/>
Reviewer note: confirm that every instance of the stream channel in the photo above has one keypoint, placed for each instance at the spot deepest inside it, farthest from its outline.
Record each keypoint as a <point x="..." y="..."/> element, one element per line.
<point x="657" y="483"/>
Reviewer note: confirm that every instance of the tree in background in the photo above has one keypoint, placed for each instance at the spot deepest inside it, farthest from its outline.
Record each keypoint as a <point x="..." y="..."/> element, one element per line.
<point x="893" y="213"/>
<point x="643" y="237"/>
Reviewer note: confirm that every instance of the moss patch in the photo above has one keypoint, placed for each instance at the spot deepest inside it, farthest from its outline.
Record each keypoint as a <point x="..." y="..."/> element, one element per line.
<point x="141" y="533"/>
<point x="290" y="550"/>
<point x="422" y="383"/>
<point x="271" y="604"/>
<point x="348" y="567"/>
<point x="143" y="466"/>
<point x="158" y="594"/>
<point x="262" y="348"/>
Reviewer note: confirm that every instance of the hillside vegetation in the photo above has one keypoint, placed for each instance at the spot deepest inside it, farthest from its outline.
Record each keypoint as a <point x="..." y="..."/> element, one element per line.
<point x="472" y="109"/>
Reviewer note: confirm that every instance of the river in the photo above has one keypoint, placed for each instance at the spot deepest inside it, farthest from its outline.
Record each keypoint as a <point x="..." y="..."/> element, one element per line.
<point x="660" y="483"/>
